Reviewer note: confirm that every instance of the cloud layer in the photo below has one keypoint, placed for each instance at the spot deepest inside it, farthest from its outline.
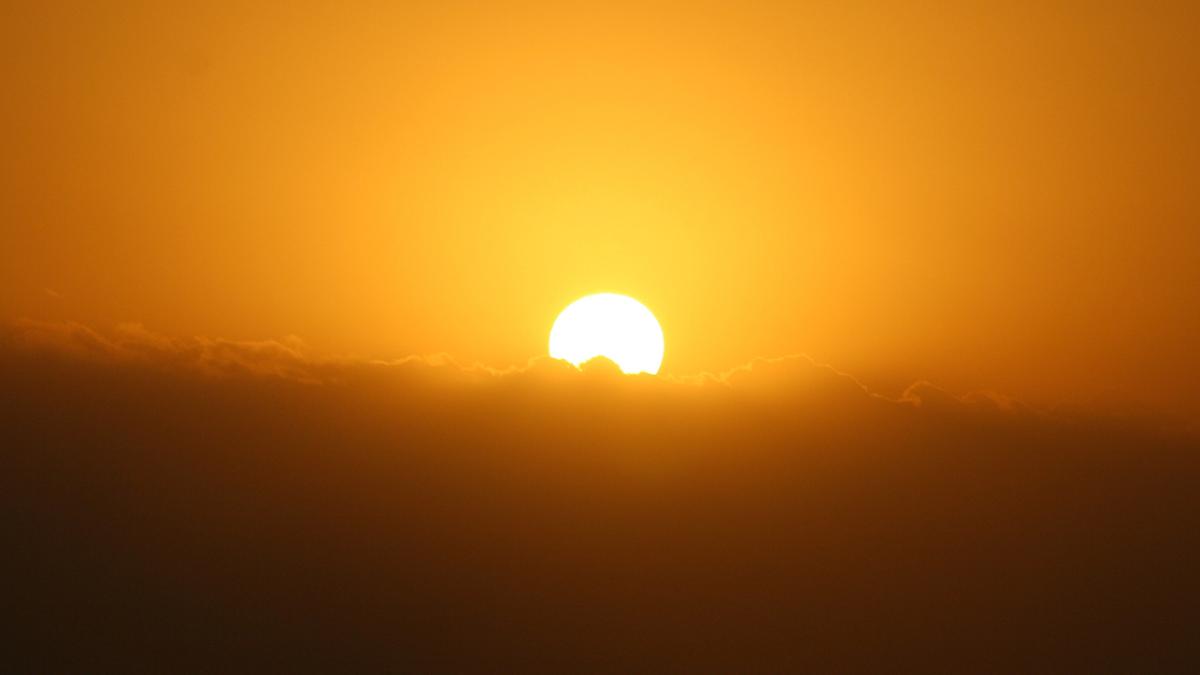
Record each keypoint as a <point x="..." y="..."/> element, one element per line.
<point x="212" y="503"/>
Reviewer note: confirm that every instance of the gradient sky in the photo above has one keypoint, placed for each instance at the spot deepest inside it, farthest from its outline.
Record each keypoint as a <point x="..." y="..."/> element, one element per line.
<point x="983" y="195"/>
<point x="927" y="273"/>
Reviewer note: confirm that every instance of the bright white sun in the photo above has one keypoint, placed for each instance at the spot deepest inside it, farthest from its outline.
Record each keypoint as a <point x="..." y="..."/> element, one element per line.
<point x="610" y="325"/>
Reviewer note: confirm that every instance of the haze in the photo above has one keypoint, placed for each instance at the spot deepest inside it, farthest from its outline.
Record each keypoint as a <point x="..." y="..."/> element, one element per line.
<point x="277" y="282"/>
<point x="982" y="196"/>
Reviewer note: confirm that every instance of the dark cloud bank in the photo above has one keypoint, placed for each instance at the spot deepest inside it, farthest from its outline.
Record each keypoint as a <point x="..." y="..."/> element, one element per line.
<point x="181" y="505"/>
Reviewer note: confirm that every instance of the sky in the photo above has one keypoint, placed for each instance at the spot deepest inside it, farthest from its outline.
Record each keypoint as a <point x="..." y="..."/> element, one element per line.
<point x="277" y="282"/>
<point x="982" y="195"/>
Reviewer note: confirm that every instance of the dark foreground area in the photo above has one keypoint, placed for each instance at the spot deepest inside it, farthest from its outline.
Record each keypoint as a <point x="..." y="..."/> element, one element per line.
<point x="425" y="518"/>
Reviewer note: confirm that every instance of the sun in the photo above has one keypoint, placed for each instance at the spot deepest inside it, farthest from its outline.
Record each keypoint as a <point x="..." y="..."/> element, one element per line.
<point x="610" y="325"/>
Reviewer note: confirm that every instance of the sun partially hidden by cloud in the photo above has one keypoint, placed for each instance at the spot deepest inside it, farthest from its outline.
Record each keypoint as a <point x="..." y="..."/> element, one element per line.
<point x="610" y="325"/>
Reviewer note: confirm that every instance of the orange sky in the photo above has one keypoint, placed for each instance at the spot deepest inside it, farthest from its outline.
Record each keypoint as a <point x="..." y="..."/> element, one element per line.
<point x="985" y="196"/>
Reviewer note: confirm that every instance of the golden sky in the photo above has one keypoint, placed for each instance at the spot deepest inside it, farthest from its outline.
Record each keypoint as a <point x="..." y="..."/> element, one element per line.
<point x="993" y="196"/>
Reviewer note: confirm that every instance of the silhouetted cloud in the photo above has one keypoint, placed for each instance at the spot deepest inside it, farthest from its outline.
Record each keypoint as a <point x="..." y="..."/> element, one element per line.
<point x="206" y="503"/>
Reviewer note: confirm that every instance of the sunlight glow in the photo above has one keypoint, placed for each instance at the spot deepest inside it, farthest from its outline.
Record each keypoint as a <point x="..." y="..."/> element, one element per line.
<point x="610" y="325"/>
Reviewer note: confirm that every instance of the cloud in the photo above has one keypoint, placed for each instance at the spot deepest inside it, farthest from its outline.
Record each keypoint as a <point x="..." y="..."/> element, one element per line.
<point x="199" y="503"/>
<point x="131" y="343"/>
<point x="780" y="379"/>
<point x="794" y="382"/>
